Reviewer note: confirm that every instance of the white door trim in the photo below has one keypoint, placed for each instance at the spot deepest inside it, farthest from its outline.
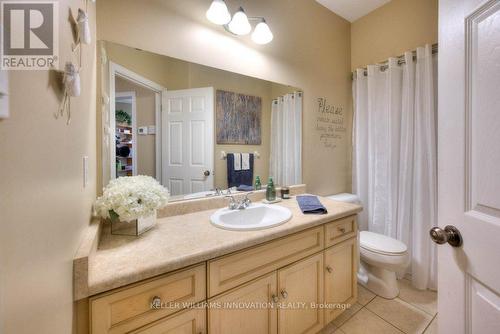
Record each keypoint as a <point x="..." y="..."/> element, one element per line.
<point x="118" y="70"/>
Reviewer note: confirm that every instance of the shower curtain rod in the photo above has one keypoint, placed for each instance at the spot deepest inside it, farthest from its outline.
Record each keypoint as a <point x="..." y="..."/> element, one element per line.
<point x="401" y="60"/>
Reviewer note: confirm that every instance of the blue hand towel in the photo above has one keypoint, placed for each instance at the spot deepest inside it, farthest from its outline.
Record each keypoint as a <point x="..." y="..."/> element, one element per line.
<point x="244" y="187"/>
<point x="311" y="205"/>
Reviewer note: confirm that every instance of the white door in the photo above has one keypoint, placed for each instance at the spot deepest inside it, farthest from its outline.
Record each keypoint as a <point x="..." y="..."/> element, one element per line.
<point x="188" y="140"/>
<point x="469" y="165"/>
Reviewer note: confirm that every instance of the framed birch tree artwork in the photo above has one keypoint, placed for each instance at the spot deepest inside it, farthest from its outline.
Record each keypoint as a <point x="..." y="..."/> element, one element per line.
<point x="238" y="118"/>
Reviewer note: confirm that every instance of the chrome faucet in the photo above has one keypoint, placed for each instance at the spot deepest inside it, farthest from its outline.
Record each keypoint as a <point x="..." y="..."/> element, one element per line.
<point x="239" y="205"/>
<point x="217" y="191"/>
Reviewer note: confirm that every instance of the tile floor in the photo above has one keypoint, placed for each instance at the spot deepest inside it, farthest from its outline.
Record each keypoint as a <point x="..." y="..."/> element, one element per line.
<point x="412" y="312"/>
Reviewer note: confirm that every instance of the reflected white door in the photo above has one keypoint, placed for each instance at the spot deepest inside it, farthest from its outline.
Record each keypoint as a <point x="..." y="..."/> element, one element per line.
<point x="188" y="140"/>
<point x="469" y="165"/>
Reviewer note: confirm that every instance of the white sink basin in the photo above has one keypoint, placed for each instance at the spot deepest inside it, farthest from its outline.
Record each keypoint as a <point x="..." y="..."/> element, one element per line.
<point x="256" y="217"/>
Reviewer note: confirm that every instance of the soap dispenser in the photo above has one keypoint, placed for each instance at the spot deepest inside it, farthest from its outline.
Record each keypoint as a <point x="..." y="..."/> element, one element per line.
<point x="258" y="184"/>
<point x="270" y="191"/>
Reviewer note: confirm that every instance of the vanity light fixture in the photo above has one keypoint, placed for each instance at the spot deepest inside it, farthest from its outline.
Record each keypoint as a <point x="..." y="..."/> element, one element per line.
<point x="218" y="13"/>
<point x="239" y="24"/>
<point x="262" y="34"/>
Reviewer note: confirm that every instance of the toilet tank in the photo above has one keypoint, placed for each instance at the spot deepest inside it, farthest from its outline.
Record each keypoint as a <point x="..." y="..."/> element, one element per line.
<point x="345" y="197"/>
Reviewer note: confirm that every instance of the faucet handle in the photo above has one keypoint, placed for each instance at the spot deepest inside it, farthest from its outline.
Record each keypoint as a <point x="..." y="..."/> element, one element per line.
<point x="246" y="201"/>
<point x="232" y="202"/>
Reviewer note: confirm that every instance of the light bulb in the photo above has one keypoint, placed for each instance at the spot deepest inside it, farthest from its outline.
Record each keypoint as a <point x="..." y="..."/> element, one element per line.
<point x="262" y="34"/>
<point x="218" y="13"/>
<point x="239" y="25"/>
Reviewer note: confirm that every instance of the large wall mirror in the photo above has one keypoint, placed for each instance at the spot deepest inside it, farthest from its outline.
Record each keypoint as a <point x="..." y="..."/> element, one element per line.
<point x="200" y="131"/>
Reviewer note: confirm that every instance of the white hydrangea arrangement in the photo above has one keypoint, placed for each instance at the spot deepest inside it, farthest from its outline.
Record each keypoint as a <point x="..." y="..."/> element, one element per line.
<point x="131" y="197"/>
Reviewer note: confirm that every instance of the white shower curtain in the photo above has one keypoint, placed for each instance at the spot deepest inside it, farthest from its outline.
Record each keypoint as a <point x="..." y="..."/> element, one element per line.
<point x="394" y="157"/>
<point x="285" y="163"/>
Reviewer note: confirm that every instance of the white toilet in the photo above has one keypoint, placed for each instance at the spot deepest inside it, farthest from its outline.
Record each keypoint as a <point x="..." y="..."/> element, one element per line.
<point x="380" y="258"/>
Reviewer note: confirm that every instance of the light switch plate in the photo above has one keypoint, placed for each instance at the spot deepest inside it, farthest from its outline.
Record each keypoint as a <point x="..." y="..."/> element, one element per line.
<point x="151" y="130"/>
<point x="4" y="94"/>
<point x="85" y="171"/>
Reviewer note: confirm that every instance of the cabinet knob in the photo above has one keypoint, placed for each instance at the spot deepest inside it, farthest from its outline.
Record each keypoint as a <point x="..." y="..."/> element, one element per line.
<point x="156" y="302"/>
<point x="284" y="294"/>
<point x="342" y="229"/>
<point x="329" y="269"/>
<point x="275" y="298"/>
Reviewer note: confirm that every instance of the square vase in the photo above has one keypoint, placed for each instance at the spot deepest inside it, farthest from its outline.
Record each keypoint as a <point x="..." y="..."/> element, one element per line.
<point x="135" y="227"/>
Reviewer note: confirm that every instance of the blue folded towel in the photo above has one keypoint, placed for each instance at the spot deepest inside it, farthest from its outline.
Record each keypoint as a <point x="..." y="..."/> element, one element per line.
<point x="311" y="205"/>
<point x="244" y="187"/>
<point x="235" y="178"/>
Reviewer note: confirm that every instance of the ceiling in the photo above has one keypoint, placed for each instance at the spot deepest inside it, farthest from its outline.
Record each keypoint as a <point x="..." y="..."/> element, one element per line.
<point x="352" y="10"/>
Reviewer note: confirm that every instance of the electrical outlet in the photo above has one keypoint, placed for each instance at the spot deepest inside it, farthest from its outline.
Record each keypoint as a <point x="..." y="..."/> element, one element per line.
<point x="85" y="171"/>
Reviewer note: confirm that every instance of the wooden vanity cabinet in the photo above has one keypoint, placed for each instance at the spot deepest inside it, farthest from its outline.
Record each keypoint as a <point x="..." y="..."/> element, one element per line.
<point x="301" y="272"/>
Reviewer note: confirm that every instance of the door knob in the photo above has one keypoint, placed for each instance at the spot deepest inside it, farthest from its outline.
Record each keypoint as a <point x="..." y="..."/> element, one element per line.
<point x="284" y="294"/>
<point x="275" y="298"/>
<point x="206" y="173"/>
<point x="329" y="269"/>
<point x="450" y="235"/>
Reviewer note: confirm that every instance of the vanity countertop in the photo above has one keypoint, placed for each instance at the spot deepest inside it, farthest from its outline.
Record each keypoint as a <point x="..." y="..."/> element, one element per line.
<point x="180" y="241"/>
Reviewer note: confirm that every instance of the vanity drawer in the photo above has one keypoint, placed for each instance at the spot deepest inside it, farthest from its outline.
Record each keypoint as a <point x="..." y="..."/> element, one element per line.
<point x="340" y="230"/>
<point x="191" y="321"/>
<point x="234" y="269"/>
<point x="130" y="308"/>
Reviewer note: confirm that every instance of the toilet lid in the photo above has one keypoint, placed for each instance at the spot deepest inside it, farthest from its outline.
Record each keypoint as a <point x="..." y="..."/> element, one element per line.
<point x="380" y="243"/>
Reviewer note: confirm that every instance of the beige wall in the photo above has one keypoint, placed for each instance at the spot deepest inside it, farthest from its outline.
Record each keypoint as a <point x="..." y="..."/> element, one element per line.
<point x="178" y="74"/>
<point x="311" y="50"/>
<point x="43" y="205"/>
<point x="392" y="29"/>
<point x="145" y="115"/>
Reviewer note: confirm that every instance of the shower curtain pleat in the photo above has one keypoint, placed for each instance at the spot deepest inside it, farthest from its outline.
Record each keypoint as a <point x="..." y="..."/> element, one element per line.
<point x="394" y="167"/>
<point x="360" y="144"/>
<point x="406" y="161"/>
<point x="425" y="173"/>
<point x="286" y="140"/>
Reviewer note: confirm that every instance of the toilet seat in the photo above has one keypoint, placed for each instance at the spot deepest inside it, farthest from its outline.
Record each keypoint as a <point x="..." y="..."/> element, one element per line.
<point x="381" y="244"/>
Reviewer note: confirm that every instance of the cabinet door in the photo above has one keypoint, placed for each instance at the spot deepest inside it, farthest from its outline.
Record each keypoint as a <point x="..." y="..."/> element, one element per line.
<point x="245" y="309"/>
<point x="300" y="288"/>
<point x="192" y="321"/>
<point x="340" y="277"/>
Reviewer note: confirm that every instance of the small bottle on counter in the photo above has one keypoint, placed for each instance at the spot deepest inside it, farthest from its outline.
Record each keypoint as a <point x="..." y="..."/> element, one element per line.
<point x="258" y="184"/>
<point x="285" y="193"/>
<point x="270" y="191"/>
